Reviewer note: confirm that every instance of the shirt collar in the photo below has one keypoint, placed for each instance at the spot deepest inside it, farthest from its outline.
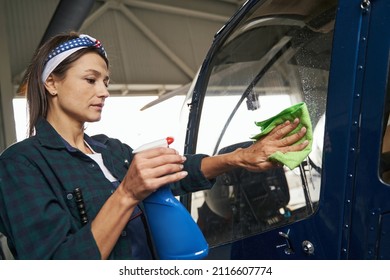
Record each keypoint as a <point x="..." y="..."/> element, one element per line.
<point x="49" y="137"/>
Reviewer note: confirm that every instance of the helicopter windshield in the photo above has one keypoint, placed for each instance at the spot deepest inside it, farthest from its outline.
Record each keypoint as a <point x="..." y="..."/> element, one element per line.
<point x="278" y="55"/>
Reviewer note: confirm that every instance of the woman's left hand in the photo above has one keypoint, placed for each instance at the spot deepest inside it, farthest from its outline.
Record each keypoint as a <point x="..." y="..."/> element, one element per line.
<point x="255" y="157"/>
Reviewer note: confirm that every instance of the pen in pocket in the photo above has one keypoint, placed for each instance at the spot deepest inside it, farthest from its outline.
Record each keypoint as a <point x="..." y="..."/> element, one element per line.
<point x="80" y="205"/>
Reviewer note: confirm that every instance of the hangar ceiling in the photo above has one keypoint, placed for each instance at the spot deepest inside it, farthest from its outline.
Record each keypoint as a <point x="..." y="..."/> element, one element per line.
<point x="154" y="46"/>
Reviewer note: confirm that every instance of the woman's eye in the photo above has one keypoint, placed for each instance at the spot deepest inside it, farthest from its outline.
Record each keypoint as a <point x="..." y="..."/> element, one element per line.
<point x="91" y="81"/>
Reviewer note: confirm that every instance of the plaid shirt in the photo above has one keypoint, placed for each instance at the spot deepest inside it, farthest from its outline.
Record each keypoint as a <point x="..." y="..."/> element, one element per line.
<point x="38" y="209"/>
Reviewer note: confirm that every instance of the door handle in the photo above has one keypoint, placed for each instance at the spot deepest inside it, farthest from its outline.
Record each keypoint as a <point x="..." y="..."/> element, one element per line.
<point x="289" y="249"/>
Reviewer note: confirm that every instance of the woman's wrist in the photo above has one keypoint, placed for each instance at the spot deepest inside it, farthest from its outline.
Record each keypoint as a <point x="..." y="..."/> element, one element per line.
<point x="126" y="199"/>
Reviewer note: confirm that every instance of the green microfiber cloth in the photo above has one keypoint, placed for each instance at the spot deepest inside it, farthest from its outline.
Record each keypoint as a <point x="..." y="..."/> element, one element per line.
<point x="290" y="159"/>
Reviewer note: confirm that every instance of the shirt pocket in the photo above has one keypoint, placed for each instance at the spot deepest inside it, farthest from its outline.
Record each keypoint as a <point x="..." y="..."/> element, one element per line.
<point x="84" y="204"/>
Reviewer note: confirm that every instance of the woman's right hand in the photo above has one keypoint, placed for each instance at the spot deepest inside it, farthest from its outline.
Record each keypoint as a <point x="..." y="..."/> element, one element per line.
<point x="150" y="170"/>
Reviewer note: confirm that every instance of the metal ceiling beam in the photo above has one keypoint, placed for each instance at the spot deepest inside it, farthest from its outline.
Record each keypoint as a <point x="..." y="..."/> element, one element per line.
<point x="95" y="15"/>
<point x="174" y="10"/>
<point x="133" y="89"/>
<point x="234" y="2"/>
<point x="157" y="41"/>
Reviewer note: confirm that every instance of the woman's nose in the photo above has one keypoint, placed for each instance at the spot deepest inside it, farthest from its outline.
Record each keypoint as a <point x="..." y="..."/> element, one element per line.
<point x="103" y="91"/>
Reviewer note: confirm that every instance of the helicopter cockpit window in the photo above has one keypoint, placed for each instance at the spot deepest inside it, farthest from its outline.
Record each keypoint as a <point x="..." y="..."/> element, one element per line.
<point x="268" y="63"/>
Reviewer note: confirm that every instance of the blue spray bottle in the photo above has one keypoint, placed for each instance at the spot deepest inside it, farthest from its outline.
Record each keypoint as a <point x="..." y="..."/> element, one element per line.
<point x="175" y="234"/>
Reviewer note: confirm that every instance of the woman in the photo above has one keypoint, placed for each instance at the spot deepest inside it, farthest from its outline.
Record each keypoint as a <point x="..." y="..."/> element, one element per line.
<point x="65" y="195"/>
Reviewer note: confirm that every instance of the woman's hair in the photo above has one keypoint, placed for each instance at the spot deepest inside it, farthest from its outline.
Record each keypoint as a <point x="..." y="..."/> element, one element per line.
<point x="37" y="95"/>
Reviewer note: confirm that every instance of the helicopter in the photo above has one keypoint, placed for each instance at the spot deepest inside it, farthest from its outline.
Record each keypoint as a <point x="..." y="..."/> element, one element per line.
<point x="333" y="56"/>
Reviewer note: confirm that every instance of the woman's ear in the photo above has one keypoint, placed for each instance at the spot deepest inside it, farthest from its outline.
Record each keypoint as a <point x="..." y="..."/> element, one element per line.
<point x="50" y="85"/>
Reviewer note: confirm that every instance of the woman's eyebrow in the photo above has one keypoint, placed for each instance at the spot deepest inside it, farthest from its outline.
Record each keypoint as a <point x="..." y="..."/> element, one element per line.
<point x="97" y="73"/>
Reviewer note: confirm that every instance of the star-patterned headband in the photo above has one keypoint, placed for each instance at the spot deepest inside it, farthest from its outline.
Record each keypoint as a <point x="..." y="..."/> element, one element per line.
<point x="61" y="52"/>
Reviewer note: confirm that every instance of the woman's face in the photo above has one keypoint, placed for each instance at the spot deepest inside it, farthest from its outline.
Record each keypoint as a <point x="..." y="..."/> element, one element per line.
<point x="81" y="94"/>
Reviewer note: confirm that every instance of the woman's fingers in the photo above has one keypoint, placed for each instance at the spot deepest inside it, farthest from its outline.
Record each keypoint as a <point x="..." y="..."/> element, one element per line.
<point x="284" y="142"/>
<point x="283" y="129"/>
<point x="157" y="157"/>
<point x="155" y="183"/>
<point x="152" y="169"/>
<point x="159" y="171"/>
<point x="293" y="138"/>
<point x="256" y="157"/>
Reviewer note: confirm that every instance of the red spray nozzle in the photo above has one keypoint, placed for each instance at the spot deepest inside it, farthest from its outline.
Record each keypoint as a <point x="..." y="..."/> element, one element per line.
<point x="170" y="140"/>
